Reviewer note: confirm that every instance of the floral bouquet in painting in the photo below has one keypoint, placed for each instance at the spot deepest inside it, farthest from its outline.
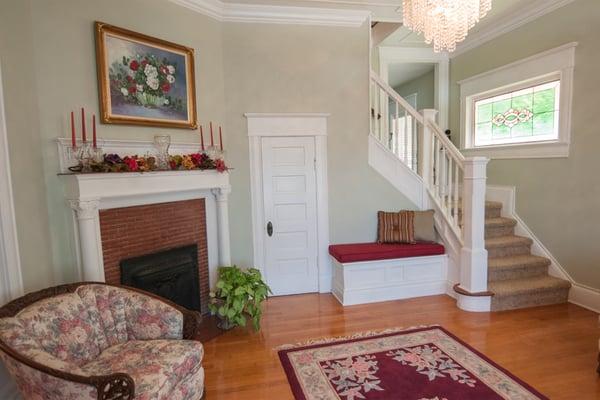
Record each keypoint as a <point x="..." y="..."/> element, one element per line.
<point x="145" y="80"/>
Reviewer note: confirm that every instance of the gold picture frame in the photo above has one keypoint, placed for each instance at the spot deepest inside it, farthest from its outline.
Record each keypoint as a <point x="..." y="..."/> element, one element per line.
<point x="143" y="80"/>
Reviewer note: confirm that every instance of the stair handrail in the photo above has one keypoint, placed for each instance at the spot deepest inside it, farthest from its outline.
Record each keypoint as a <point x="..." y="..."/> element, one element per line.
<point x="397" y="98"/>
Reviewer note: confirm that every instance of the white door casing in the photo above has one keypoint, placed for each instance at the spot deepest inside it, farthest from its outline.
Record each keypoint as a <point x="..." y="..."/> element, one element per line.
<point x="11" y="282"/>
<point x="296" y="125"/>
<point x="289" y="193"/>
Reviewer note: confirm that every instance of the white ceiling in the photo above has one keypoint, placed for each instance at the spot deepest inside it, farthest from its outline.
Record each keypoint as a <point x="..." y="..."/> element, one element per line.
<point x="399" y="74"/>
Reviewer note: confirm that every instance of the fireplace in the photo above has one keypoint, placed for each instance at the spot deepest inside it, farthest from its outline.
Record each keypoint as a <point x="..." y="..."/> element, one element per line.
<point x="172" y="274"/>
<point x="122" y="216"/>
<point x="147" y="233"/>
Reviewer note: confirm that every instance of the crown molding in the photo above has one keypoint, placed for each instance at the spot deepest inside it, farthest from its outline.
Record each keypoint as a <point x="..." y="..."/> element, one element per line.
<point x="525" y="14"/>
<point x="268" y="14"/>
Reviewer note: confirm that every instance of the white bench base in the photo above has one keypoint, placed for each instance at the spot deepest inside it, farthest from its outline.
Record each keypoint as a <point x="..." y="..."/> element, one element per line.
<point x="384" y="280"/>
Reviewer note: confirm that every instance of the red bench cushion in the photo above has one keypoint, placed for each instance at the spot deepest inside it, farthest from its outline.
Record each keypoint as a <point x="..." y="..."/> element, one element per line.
<point x="354" y="252"/>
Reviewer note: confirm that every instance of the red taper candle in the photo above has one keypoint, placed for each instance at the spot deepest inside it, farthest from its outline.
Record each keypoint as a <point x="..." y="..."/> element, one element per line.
<point x="94" y="130"/>
<point x="73" y="138"/>
<point x="212" y="140"/>
<point x="201" y="138"/>
<point x="83" y="137"/>
<point x="220" y="138"/>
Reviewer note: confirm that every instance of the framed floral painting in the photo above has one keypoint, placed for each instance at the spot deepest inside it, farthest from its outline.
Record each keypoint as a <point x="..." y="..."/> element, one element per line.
<point x="143" y="80"/>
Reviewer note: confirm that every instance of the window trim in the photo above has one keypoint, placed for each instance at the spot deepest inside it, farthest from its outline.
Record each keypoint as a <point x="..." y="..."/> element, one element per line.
<point x="557" y="63"/>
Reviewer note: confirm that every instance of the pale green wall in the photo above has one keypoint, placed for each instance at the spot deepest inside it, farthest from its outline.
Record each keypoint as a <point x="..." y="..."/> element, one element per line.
<point x="24" y="141"/>
<point x="557" y="198"/>
<point x="276" y="68"/>
<point x="423" y="86"/>
<point x="47" y="50"/>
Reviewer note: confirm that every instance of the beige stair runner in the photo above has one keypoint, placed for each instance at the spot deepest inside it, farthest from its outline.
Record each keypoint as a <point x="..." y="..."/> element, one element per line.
<point x="517" y="278"/>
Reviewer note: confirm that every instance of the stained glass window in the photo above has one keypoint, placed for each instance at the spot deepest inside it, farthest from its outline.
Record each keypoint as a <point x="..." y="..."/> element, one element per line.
<point x="524" y="115"/>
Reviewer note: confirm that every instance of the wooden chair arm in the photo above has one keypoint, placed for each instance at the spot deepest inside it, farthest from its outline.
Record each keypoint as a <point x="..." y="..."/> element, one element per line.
<point x="117" y="386"/>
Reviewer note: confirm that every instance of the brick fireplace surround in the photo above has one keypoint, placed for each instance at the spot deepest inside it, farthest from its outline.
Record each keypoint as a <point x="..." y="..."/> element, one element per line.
<point x="140" y="230"/>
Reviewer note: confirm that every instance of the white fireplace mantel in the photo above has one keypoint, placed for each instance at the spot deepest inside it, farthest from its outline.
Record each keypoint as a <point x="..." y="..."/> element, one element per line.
<point x="88" y="193"/>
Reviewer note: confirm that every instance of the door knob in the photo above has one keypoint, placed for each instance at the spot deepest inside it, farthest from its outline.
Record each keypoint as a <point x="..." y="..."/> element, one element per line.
<point x="270" y="228"/>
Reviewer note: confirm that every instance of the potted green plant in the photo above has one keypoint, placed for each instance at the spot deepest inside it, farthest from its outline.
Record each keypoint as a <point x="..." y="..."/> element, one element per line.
<point x="238" y="295"/>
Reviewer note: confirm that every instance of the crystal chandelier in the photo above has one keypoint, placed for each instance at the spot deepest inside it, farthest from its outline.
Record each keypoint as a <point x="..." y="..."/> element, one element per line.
<point x="444" y="22"/>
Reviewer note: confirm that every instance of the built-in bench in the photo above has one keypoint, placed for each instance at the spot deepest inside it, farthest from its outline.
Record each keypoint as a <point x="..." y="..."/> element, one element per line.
<point x="372" y="272"/>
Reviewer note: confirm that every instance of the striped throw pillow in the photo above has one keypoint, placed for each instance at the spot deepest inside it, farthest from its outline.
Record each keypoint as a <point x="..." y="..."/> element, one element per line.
<point x="396" y="227"/>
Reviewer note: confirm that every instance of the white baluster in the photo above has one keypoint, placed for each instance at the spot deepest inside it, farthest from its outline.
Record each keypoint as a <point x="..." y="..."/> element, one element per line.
<point x="438" y="154"/>
<point x="414" y="144"/>
<point x="396" y="129"/>
<point x="456" y="172"/>
<point x="449" y="189"/>
<point x="405" y="136"/>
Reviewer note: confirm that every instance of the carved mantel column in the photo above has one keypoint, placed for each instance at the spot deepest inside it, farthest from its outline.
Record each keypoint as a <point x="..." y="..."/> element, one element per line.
<point x="221" y="195"/>
<point x="88" y="224"/>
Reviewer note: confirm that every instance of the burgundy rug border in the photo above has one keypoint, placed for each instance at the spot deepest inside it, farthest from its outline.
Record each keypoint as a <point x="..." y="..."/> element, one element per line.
<point x="297" y="387"/>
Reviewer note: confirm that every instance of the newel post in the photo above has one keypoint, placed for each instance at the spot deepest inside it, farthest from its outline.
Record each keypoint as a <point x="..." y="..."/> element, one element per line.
<point x="425" y="148"/>
<point x="472" y="289"/>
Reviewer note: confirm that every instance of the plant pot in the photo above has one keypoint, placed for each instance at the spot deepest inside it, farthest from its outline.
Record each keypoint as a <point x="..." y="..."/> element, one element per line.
<point x="224" y="323"/>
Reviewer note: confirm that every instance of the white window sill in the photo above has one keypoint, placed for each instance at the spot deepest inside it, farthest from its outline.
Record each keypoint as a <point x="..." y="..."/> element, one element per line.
<point x="521" y="150"/>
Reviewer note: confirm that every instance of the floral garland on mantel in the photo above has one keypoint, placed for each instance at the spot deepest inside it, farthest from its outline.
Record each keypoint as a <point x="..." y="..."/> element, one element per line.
<point x="189" y="162"/>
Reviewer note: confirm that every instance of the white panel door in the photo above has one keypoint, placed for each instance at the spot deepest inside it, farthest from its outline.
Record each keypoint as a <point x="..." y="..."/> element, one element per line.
<point x="290" y="226"/>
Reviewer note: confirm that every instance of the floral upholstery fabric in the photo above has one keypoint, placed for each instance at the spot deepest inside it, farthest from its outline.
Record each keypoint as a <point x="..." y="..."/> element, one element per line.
<point x="127" y="315"/>
<point x="100" y="330"/>
<point x="156" y="366"/>
<point x="64" y="328"/>
<point x="36" y="385"/>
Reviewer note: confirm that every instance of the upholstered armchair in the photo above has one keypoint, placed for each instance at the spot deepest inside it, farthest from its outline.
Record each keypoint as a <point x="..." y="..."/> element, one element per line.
<point x="94" y="341"/>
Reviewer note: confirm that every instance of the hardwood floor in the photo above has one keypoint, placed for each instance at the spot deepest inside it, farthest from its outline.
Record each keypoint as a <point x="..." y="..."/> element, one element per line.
<point x="553" y="348"/>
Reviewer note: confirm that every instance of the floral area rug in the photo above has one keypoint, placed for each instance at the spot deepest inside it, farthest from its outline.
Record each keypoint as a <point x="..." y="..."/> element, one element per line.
<point x="426" y="363"/>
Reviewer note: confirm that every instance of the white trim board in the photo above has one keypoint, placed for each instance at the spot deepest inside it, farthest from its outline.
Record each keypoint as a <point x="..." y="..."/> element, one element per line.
<point x="11" y="281"/>
<point x="525" y="13"/>
<point x="290" y="124"/>
<point x="271" y="14"/>
<point x="580" y="294"/>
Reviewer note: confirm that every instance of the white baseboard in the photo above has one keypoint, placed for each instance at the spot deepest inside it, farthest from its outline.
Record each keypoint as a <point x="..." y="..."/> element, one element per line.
<point x="579" y="294"/>
<point x="585" y="297"/>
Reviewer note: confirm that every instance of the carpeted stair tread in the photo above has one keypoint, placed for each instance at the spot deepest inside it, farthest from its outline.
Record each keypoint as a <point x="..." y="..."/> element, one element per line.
<point x="488" y="204"/>
<point x="528" y="292"/>
<point x="507" y="241"/>
<point x="496" y="222"/>
<point x="499" y="222"/>
<point x="531" y="285"/>
<point x="516" y="267"/>
<point x="522" y="260"/>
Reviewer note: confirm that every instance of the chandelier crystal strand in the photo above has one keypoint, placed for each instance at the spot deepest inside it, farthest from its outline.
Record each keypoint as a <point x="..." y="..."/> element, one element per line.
<point x="444" y="22"/>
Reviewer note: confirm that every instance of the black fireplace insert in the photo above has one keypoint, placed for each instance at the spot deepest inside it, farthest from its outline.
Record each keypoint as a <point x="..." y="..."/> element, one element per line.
<point x="172" y="274"/>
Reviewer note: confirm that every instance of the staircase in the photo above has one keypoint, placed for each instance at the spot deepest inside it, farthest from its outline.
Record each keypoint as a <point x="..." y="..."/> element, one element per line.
<point x="495" y="268"/>
<point x="517" y="278"/>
